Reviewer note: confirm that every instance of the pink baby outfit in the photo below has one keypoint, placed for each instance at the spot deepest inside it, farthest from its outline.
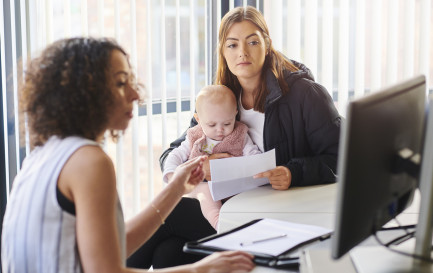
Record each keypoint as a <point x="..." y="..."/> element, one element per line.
<point x="238" y="143"/>
<point x="232" y="144"/>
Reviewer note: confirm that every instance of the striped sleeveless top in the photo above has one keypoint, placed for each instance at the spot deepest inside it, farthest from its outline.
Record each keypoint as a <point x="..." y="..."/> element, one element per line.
<point x="38" y="235"/>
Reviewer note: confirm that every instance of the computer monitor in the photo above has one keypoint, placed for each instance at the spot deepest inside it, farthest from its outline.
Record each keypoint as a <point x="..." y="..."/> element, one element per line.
<point x="373" y="187"/>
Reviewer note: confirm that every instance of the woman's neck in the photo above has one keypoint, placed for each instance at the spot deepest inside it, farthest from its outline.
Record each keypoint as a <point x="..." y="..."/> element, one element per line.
<point x="250" y="85"/>
<point x="249" y="92"/>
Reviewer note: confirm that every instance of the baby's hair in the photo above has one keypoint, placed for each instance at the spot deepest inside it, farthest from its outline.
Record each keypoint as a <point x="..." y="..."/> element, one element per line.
<point x="215" y="94"/>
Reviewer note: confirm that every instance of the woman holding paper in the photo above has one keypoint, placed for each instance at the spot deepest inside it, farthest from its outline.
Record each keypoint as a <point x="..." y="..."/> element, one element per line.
<point x="278" y="99"/>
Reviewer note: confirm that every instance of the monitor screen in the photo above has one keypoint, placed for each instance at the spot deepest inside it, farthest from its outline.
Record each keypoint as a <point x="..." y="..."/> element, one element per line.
<point x="371" y="188"/>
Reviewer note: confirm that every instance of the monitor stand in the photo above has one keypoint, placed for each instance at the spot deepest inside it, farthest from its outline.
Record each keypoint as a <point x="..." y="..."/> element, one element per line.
<point x="378" y="259"/>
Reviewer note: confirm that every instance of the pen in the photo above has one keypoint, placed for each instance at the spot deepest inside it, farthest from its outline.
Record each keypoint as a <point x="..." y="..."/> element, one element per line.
<point x="263" y="240"/>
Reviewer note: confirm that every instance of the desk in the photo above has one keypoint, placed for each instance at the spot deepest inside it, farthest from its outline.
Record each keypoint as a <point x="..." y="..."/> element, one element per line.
<point x="315" y="205"/>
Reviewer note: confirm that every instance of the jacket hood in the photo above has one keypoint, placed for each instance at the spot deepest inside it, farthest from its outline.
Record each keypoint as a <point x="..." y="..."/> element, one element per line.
<point x="303" y="72"/>
<point x="290" y="77"/>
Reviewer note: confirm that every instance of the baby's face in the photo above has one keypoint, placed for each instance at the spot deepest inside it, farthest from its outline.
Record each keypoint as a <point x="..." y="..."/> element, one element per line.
<point x="217" y="120"/>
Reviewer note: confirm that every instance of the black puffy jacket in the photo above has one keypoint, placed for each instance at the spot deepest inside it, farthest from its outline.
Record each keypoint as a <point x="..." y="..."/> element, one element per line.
<point x="302" y="125"/>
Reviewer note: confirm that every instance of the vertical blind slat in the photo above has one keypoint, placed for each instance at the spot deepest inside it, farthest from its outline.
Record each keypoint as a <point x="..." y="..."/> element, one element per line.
<point x="193" y="49"/>
<point x="67" y="18"/>
<point x="294" y="31"/>
<point x="49" y="21"/>
<point x="10" y="108"/>
<point x="134" y="129"/>
<point x="343" y="57"/>
<point x="327" y="48"/>
<point x="163" y="78"/>
<point x="41" y="30"/>
<point x="178" y="70"/>
<point x="26" y="55"/>
<point x="84" y="21"/>
<point x="149" y="106"/>
<point x="119" y="145"/>
<point x="101" y="17"/>
<point x="376" y="46"/>
<point x="409" y="41"/>
<point x="274" y="17"/>
<point x="425" y="29"/>
<point x="4" y="104"/>
<point x="360" y="49"/>
<point x="208" y="42"/>
<point x="310" y="35"/>
<point x="15" y="34"/>
<point x="392" y="43"/>
<point x="116" y="20"/>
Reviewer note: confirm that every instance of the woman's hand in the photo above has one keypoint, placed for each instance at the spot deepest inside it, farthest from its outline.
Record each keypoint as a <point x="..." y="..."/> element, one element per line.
<point x="189" y="174"/>
<point x="227" y="261"/>
<point x="280" y="177"/>
<point x="206" y="165"/>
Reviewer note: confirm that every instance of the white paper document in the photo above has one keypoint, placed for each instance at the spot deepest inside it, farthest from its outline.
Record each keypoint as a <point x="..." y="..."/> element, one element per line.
<point x="234" y="175"/>
<point x="269" y="236"/>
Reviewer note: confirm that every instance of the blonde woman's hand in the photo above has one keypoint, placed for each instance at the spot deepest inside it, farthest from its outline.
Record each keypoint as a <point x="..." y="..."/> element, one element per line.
<point x="280" y="177"/>
<point x="189" y="174"/>
<point x="224" y="262"/>
<point x="206" y="164"/>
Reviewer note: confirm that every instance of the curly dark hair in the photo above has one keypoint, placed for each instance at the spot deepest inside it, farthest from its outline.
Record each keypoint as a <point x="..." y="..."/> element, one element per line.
<point x="66" y="91"/>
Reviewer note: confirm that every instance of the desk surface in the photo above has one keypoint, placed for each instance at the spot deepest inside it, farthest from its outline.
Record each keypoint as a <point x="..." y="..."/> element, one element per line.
<point x="314" y="205"/>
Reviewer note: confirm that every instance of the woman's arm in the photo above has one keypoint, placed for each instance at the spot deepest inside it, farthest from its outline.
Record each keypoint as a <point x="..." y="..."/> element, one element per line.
<point x="309" y="155"/>
<point x="141" y="227"/>
<point x="88" y="179"/>
<point x="322" y="130"/>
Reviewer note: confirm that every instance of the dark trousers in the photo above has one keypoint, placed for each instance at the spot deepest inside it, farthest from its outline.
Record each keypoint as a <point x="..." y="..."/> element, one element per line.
<point x="164" y="249"/>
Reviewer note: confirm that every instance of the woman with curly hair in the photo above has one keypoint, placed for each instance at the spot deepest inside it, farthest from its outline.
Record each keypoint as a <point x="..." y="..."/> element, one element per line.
<point x="63" y="213"/>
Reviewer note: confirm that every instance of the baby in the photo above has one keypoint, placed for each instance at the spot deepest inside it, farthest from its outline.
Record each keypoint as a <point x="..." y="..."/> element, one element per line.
<point x="217" y="131"/>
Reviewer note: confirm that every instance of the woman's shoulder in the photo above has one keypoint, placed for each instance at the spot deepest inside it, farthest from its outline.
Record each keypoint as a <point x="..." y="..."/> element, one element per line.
<point x="90" y="155"/>
<point x="305" y="87"/>
<point x="307" y="95"/>
<point x="87" y="158"/>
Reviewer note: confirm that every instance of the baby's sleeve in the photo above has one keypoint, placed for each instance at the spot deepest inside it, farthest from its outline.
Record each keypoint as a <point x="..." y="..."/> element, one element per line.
<point x="250" y="148"/>
<point x="178" y="156"/>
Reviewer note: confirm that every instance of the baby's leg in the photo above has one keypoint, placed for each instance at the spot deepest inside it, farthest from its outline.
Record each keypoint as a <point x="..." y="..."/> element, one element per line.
<point x="209" y="207"/>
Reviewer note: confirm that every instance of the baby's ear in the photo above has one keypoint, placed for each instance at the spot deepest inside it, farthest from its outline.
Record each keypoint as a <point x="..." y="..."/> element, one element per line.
<point x="196" y="117"/>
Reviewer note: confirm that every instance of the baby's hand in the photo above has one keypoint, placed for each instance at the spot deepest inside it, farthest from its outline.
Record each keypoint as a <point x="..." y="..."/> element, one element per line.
<point x="189" y="174"/>
<point x="206" y="165"/>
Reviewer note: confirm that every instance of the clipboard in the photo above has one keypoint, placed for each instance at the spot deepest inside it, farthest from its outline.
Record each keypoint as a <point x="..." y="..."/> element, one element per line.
<point x="283" y="260"/>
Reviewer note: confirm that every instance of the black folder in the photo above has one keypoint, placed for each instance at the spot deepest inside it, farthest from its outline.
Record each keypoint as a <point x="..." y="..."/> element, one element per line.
<point x="284" y="260"/>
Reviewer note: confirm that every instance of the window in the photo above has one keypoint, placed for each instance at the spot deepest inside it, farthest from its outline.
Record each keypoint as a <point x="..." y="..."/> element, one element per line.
<point x="352" y="47"/>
